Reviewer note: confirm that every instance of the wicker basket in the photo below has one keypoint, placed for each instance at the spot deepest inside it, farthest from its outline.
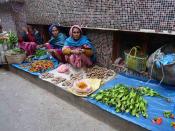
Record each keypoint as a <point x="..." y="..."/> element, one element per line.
<point x="15" y="59"/>
<point x="134" y="62"/>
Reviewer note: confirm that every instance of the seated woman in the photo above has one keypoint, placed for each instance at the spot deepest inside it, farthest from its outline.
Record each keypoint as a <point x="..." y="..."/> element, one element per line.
<point x="56" y="42"/>
<point x="27" y="40"/>
<point x="35" y="35"/>
<point x="77" y="49"/>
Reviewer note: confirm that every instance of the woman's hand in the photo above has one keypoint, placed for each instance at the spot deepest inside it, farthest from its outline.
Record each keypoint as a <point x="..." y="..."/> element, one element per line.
<point x="46" y="44"/>
<point x="76" y="51"/>
<point x="51" y="50"/>
<point x="39" y="46"/>
<point x="25" y="30"/>
<point x="82" y="50"/>
<point x="86" y="46"/>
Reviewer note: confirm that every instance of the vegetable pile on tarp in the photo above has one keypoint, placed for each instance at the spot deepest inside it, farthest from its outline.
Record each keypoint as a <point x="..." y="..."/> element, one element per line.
<point x="12" y="40"/>
<point x="15" y="51"/>
<point x="127" y="99"/>
<point x="168" y="114"/>
<point x="40" y="53"/>
<point x="41" y="66"/>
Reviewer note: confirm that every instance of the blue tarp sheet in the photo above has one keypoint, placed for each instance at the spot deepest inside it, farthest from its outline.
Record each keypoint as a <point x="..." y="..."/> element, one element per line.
<point x="156" y="106"/>
<point x="34" y="73"/>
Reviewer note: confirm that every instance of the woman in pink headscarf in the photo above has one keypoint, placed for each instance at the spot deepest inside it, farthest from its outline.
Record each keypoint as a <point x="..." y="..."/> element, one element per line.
<point x="77" y="49"/>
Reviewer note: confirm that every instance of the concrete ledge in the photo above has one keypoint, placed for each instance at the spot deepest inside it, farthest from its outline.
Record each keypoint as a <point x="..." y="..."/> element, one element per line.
<point x="114" y="121"/>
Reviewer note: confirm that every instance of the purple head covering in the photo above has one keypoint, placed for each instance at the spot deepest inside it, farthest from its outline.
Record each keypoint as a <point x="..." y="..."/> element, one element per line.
<point x="54" y="25"/>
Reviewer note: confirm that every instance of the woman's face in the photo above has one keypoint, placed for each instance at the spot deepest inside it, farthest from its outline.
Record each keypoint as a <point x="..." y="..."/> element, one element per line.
<point x="76" y="33"/>
<point x="24" y="29"/>
<point x="30" y="28"/>
<point x="55" y="31"/>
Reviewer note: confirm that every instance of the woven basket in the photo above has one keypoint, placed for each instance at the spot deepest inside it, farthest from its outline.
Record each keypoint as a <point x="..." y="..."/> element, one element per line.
<point x="15" y="59"/>
<point x="134" y="62"/>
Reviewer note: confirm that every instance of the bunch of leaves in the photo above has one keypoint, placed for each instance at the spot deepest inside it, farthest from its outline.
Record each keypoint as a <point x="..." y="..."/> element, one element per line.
<point x="150" y="92"/>
<point x="168" y="114"/>
<point x="18" y="51"/>
<point x="12" y="39"/>
<point x="40" y="53"/>
<point x="126" y="99"/>
<point x="15" y="51"/>
<point x="1" y="41"/>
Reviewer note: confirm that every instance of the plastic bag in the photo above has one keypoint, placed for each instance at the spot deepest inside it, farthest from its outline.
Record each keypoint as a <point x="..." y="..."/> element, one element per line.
<point x="161" y="66"/>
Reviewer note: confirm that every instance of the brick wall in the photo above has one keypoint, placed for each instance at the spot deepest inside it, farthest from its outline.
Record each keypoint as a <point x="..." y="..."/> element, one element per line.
<point x="6" y="19"/>
<point x="19" y="15"/>
<point x="102" y="41"/>
<point x="118" y="14"/>
<point x="12" y="16"/>
<point x="115" y="14"/>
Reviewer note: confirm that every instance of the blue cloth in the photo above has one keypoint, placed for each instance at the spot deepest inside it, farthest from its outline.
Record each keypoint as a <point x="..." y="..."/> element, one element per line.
<point x="156" y="106"/>
<point x="78" y="43"/>
<point x="165" y="60"/>
<point x="58" y="42"/>
<point x="34" y="73"/>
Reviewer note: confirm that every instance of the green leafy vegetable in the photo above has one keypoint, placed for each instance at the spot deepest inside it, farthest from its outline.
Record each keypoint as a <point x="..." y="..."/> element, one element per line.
<point x="15" y="51"/>
<point x="12" y="39"/>
<point x="18" y="51"/>
<point x="126" y="99"/>
<point x="168" y="114"/>
<point x="40" y="53"/>
<point x="150" y="92"/>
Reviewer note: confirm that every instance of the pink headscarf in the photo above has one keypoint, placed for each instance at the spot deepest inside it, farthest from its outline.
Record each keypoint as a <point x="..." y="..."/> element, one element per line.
<point x="74" y="26"/>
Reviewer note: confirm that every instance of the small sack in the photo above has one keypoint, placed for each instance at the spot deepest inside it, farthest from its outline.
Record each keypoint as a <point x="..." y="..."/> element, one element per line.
<point x="164" y="73"/>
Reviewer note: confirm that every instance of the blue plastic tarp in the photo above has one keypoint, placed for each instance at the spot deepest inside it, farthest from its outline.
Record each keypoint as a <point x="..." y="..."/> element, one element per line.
<point x="156" y="106"/>
<point x="34" y="73"/>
